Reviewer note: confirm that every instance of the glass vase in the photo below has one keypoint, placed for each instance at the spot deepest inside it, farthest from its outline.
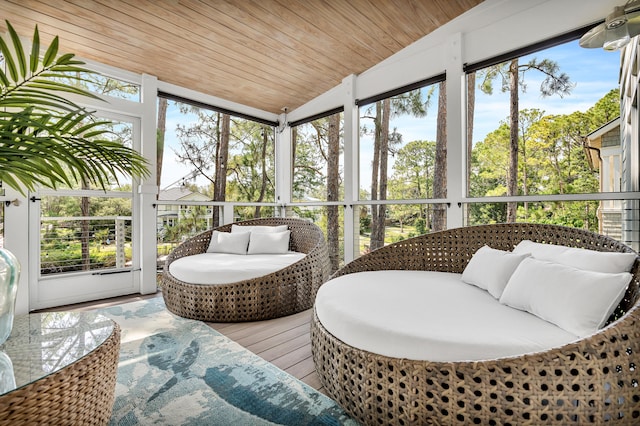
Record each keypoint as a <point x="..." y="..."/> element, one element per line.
<point x="9" y="274"/>
<point x="7" y="376"/>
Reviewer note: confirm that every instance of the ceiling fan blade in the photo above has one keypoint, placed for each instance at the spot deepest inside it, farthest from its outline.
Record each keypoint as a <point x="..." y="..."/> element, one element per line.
<point x="595" y="37"/>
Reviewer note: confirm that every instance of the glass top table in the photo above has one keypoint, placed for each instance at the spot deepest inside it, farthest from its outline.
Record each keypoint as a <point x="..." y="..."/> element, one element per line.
<point x="59" y="356"/>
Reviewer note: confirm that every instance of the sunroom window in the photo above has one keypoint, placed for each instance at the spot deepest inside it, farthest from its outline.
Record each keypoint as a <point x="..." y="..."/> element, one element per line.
<point x="543" y="126"/>
<point x="317" y="188"/>
<point x="403" y="158"/>
<point x="213" y="163"/>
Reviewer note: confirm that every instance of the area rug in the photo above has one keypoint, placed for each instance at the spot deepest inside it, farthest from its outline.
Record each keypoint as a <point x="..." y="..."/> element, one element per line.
<point x="176" y="371"/>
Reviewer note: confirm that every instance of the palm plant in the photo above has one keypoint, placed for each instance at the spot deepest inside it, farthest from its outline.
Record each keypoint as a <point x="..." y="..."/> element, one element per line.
<point x="45" y="138"/>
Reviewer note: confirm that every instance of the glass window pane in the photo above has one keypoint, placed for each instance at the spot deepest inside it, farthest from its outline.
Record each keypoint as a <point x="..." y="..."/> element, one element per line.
<point x="106" y="86"/>
<point x="84" y="234"/>
<point x="399" y="137"/>
<point x="200" y="144"/>
<point x="318" y="160"/>
<point x="403" y="155"/>
<point x="564" y="134"/>
<point x="603" y="217"/>
<point x="402" y="221"/>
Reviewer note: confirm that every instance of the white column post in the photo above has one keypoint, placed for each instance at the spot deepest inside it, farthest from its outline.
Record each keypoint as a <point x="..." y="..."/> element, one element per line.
<point x="148" y="190"/>
<point x="456" y="139"/>
<point x="283" y="164"/>
<point x="351" y="169"/>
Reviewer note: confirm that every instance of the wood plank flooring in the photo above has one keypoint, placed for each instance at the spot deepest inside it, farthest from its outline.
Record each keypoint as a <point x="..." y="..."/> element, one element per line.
<point x="284" y="342"/>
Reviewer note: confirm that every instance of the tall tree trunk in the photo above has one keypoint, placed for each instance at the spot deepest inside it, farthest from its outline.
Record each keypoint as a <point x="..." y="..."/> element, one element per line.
<point x="525" y="171"/>
<point x="162" y="123"/>
<point x="384" y="161"/>
<point x="512" y="175"/>
<point x="220" y="185"/>
<point x="375" y="170"/>
<point x="84" y="229"/>
<point x="263" y="165"/>
<point x="377" y="238"/>
<point x="471" y="107"/>
<point x="440" y="169"/>
<point x="333" y="187"/>
<point x="294" y="147"/>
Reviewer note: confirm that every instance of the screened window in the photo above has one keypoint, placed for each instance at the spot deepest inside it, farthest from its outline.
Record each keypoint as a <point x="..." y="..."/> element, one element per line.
<point x="318" y="146"/>
<point x="403" y="157"/>
<point x="546" y="123"/>
<point x="107" y="86"/>
<point x="318" y="176"/>
<point x="208" y="154"/>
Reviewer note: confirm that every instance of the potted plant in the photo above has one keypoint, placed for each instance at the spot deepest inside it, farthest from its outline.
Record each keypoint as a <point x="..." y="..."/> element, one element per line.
<point x="46" y="140"/>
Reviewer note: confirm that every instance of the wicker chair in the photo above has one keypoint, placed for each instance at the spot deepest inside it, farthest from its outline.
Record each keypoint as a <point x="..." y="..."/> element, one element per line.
<point x="284" y="292"/>
<point x="592" y="380"/>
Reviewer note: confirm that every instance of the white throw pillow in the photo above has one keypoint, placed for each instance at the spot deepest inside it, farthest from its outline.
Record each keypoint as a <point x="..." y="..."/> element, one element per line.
<point x="575" y="300"/>
<point x="258" y="228"/>
<point x="591" y="260"/>
<point x="269" y="243"/>
<point x="225" y="242"/>
<point x="490" y="269"/>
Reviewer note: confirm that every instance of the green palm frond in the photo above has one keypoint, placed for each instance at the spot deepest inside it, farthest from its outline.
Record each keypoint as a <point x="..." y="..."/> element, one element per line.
<point x="46" y="139"/>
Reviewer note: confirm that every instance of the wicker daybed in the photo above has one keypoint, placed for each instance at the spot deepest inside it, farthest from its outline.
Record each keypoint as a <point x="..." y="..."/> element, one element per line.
<point x="589" y="381"/>
<point x="284" y="292"/>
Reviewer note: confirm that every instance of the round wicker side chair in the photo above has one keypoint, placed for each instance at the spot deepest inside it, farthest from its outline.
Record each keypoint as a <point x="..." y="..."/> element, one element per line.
<point x="284" y="292"/>
<point x="590" y="381"/>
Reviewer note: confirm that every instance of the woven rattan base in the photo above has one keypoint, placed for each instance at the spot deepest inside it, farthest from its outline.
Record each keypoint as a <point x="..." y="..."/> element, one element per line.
<point x="591" y="381"/>
<point x="81" y="393"/>
<point x="284" y="292"/>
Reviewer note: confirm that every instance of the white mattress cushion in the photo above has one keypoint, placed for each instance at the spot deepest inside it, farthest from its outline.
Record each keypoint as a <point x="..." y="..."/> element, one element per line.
<point x="433" y="316"/>
<point x="224" y="268"/>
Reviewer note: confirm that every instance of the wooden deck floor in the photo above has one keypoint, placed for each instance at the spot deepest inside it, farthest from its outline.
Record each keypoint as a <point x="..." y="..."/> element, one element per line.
<point x="284" y="342"/>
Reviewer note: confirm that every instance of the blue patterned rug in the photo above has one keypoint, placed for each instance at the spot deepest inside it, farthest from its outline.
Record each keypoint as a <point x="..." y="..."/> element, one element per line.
<point x="175" y="371"/>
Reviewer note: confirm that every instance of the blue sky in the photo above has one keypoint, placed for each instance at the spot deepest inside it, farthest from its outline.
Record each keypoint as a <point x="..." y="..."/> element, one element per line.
<point x="594" y="72"/>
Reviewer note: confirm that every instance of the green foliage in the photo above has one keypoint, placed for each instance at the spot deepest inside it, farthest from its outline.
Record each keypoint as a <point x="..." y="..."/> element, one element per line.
<point x="70" y="259"/>
<point x="251" y="166"/>
<point x="251" y="158"/>
<point x="310" y="168"/>
<point x="46" y="139"/>
<point x="552" y="160"/>
<point x="365" y="224"/>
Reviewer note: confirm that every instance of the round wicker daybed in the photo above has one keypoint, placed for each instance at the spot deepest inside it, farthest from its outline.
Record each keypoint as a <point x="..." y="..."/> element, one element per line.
<point x="284" y="292"/>
<point x="589" y="381"/>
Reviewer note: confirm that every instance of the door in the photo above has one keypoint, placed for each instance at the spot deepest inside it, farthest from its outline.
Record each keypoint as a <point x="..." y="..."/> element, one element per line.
<point x="83" y="240"/>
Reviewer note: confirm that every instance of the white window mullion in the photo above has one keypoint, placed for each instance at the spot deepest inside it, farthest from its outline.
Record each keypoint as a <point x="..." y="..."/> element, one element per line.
<point x="283" y="163"/>
<point x="456" y="139"/>
<point x="351" y="169"/>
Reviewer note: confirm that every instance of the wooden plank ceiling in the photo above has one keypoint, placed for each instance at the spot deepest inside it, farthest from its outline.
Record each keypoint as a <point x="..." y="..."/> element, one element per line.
<point x="266" y="54"/>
